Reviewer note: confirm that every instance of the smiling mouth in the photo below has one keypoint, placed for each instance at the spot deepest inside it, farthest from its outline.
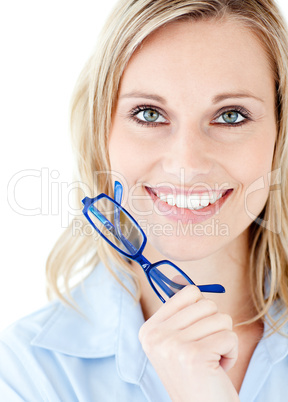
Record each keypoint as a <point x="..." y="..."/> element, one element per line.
<point x="193" y="202"/>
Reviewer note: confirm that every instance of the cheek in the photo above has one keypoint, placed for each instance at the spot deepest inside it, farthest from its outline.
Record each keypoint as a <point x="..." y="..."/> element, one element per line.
<point x="128" y="159"/>
<point x="131" y="155"/>
<point x="123" y="158"/>
<point x="252" y="170"/>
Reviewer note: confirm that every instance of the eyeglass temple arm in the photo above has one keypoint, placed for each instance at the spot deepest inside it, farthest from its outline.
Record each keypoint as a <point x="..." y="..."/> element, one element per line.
<point x="211" y="288"/>
<point x="156" y="275"/>
<point x="115" y="231"/>
<point x="118" y="191"/>
<point x="162" y="279"/>
<point x="108" y="225"/>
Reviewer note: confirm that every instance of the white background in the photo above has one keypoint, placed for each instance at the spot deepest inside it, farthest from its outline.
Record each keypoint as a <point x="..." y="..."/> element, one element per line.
<point x="44" y="46"/>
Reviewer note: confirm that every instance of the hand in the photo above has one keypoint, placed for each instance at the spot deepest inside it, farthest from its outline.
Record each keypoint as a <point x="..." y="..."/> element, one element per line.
<point x="192" y="346"/>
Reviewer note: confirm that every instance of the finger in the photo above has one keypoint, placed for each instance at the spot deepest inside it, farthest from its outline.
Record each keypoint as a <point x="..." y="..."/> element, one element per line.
<point x="220" y="348"/>
<point x="206" y="327"/>
<point x="191" y="314"/>
<point x="185" y="297"/>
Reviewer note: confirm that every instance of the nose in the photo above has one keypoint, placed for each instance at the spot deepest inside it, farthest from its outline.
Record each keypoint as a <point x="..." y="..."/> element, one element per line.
<point x="189" y="151"/>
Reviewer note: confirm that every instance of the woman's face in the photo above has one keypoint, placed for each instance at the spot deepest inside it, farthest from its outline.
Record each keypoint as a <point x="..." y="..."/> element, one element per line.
<point x="195" y="121"/>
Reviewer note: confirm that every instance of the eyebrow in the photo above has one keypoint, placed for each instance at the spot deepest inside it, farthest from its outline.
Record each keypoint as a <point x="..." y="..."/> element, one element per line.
<point x="144" y="95"/>
<point x="217" y="99"/>
<point x="228" y="95"/>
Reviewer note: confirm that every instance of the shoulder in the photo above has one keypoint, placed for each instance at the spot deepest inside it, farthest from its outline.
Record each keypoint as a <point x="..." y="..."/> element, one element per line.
<point x="37" y="351"/>
<point x="18" y="377"/>
<point x="27" y="327"/>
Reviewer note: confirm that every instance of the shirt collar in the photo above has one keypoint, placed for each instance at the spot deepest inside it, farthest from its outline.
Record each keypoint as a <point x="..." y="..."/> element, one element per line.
<point x="130" y="357"/>
<point x="98" y="330"/>
<point x="269" y="351"/>
<point x="109" y="325"/>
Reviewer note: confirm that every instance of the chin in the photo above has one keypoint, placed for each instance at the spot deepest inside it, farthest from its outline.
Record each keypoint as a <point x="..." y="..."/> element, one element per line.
<point x="179" y="251"/>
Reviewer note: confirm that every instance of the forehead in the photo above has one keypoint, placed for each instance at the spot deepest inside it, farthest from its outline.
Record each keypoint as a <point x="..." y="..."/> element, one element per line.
<point x="192" y="56"/>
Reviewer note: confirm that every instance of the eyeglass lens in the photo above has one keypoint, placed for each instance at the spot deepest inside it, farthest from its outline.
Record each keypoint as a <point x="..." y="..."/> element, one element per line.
<point x="116" y="226"/>
<point x="167" y="280"/>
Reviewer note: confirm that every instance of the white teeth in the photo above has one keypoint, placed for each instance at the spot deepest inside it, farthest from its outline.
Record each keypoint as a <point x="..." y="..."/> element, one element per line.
<point x="163" y="197"/>
<point x="194" y="201"/>
<point x="204" y="200"/>
<point x="212" y="198"/>
<point x="170" y="199"/>
<point x="181" y="201"/>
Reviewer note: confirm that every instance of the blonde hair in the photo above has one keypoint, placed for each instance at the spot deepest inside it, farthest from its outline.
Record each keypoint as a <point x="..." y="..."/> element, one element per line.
<point x="93" y="103"/>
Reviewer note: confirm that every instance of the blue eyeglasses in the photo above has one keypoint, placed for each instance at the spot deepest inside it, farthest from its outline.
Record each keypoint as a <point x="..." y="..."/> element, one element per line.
<point x="122" y="232"/>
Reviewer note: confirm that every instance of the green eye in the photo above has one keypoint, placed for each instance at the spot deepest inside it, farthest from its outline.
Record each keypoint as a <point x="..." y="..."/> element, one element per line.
<point x="230" y="117"/>
<point x="150" y="115"/>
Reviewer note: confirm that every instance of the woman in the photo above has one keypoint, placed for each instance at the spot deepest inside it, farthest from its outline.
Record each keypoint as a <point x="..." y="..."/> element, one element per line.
<point x="185" y="103"/>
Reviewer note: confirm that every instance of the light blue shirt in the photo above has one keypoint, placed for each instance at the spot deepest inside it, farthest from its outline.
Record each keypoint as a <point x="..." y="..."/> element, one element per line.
<point x="57" y="354"/>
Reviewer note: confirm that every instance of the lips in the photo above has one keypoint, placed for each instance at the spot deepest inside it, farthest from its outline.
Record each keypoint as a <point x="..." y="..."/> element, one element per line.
<point x="194" y="208"/>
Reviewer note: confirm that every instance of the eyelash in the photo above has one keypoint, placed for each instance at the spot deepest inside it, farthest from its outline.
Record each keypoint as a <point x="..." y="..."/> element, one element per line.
<point x="238" y="109"/>
<point x="141" y="108"/>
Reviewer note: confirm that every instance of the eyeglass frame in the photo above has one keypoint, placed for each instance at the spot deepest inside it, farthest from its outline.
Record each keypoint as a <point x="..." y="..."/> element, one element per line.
<point x="148" y="267"/>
